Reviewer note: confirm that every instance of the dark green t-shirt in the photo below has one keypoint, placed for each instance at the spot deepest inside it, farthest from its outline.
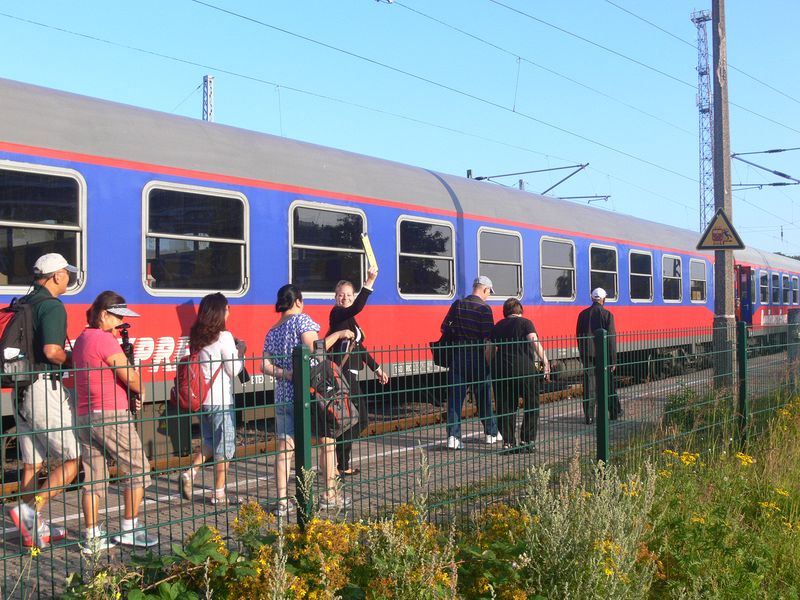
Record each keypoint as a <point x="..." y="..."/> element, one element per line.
<point x="49" y="322"/>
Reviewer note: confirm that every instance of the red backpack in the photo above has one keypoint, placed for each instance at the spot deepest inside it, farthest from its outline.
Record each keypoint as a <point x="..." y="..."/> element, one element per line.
<point x="17" y="361"/>
<point x="191" y="388"/>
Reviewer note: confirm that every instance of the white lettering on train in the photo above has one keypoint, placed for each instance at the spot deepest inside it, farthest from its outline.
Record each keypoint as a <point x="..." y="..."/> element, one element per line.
<point x="162" y="351"/>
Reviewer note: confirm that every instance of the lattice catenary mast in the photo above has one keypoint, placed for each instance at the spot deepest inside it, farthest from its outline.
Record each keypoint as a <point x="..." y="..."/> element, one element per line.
<point x="707" y="210"/>
<point x="208" y="97"/>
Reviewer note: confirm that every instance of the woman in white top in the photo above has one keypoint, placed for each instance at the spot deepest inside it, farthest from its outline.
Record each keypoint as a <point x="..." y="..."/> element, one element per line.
<point x="221" y="360"/>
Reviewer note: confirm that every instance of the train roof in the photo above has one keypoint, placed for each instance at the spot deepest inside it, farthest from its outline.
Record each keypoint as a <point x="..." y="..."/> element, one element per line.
<point x="52" y="119"/>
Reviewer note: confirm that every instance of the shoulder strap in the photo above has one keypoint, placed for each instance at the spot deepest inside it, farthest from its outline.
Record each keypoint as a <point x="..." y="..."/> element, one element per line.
<point x="214" y="376"/>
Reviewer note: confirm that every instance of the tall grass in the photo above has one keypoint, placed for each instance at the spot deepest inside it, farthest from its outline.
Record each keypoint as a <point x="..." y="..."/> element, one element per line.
<point x="700" y="518"/>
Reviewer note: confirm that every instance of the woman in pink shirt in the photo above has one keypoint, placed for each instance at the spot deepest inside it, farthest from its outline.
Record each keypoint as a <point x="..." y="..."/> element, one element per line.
<point x="103" y="383"/>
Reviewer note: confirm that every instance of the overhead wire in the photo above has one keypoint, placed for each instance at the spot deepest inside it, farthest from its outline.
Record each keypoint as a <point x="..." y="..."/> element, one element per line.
<point x="540" y="66"/>
<point x="632" y="60"/>
<point x="449" y="88"/>
<point x="271" y="83"/>
<point x="688" y="43"/>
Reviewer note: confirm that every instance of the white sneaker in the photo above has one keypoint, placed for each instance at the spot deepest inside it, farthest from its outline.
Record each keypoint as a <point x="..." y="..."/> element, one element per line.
<point x="453" y="443"/>
<point x="494" y="439"/>
<point x="26" y="520"/>
<point x="284" y="509"/>
<point x="46" y="533"/>
<point x="95" y="545"/>
<point x="338" y="502"/>
<point x="135" y="538"/>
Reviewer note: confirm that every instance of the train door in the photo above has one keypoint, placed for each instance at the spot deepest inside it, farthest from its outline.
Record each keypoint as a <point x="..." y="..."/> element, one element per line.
<point x="744" y="294"/>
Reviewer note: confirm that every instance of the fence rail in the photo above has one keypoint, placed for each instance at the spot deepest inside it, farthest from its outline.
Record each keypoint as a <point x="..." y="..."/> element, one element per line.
<point x="667" y="393"/>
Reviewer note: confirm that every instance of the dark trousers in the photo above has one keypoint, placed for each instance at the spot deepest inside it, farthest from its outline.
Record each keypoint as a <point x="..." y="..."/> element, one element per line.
<point x="344" y="443"/>
<point x="468" y="370"/>
<point x="508" y="389"/>
<point x="590" y="393"/>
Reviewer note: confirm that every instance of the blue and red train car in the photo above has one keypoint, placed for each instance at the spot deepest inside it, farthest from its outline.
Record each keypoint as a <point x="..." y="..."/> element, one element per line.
<point x="165" y="209"/>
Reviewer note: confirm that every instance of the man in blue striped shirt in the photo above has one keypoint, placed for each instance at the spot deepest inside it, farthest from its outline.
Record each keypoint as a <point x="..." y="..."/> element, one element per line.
<point x="468" y="325"/>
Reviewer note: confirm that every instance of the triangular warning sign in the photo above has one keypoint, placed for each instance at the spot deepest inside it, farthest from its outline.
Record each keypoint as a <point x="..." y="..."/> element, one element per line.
<point x="720" y="234"/>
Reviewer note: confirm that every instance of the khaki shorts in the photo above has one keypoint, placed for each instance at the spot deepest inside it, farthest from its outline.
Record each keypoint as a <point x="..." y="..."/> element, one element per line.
<point x="44" y="423"/>
<point x="109" y="434"/>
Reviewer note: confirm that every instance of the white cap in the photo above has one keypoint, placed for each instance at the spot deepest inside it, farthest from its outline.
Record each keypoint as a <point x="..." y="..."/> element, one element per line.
<point x="121" y="310"/>
<point x="50" y="263"/>
<point x="598" y="294"/>
<point x="484" y="281"/>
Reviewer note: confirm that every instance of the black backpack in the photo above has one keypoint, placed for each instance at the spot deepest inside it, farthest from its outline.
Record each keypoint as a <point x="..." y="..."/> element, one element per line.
<point x="333" y="411"/>
<point x="16" y="343"/>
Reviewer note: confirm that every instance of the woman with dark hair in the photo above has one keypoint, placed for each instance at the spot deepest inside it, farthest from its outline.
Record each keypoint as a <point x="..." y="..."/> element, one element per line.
<point x="293" y="329"/>
<point x="510" y="353"/>
<point x="343" y="317"/>
<point x="221" y="360"/>
<point x="103" y="382"/>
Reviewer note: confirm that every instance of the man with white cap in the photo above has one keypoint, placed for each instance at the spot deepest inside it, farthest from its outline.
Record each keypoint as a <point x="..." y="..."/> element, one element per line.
<point x="44" y="415"/>
<point x="590" y="320"/>
<point x="468" y="325"/>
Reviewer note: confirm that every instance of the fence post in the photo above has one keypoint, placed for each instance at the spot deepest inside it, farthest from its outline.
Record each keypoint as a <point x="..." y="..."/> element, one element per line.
<point x="601" y="391"/>
<point x="793" y="347"/>
<point x="301" y="376"/>
<point x="741" y="362"/>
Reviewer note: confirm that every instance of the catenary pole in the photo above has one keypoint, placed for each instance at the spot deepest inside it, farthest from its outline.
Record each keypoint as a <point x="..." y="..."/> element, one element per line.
<point x="723" y="269"/>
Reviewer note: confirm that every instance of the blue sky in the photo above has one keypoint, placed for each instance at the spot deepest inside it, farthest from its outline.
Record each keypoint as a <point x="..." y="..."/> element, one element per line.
<point x="495" y="86"/>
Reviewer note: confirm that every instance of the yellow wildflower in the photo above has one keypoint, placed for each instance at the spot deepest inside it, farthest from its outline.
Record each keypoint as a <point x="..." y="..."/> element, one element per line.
<point x="769" y="506"/>
<point x="665" y="473"/>
<point x="631" y="489"/>
<point x="689" y="458"/>
<point x="35" y="552"/>
<point x="745" y="459"/>
<point x="781" y="492"/>
<point x="698" y="518"/>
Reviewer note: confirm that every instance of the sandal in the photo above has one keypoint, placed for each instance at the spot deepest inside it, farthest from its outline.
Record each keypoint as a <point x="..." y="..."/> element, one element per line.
<point x="349" y="472"/>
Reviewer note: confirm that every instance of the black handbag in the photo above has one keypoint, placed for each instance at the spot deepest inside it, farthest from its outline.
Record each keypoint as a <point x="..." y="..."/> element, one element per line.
<point x="442" y="349"/>
<point x="333" y="411"/>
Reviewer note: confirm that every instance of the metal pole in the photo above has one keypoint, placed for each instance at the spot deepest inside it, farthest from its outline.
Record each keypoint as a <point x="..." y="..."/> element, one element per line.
<point x="301" y="376"/>
<point x="602" y="388"/>
<point x="741" y="359"/>
<point x="724" y="318"/>
<point x="793" y="347"/>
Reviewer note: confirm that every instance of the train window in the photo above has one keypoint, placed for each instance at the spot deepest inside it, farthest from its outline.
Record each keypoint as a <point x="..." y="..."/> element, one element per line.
<point x="557" y="269"/>
<point x="795" y="290"/>
<point x="764" y="287"/>
<point x="425" y="257"/>
<point x="603" y="270"/>
<point x="195" y="240"/>
<point x="672" y="278"/>
<point x="787" y="290"/>
<point x="42" y="210"/>
<point x="776" y="288"/>
<point x="326" y="247"/>
<point x="697" y="280"/>
<point x="641" y="276"/>
<point x="500" y="259"/>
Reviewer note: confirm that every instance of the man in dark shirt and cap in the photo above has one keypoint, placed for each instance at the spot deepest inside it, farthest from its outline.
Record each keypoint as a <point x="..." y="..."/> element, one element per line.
<point x="468" y="325"/>
<point x="44" y="413"/>
<point x="597" y="316"/>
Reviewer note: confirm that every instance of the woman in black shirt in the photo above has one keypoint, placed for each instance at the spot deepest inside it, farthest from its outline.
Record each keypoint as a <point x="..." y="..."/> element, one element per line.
<point x="511" y="356"/>
<point x="342" y="317"/>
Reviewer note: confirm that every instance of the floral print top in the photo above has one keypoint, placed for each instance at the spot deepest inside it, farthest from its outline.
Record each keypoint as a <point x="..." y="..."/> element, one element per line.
<point x="278" y="346"/>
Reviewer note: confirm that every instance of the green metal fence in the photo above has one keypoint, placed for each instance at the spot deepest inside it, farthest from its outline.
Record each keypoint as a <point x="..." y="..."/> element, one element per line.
<point x="673" y="387"/>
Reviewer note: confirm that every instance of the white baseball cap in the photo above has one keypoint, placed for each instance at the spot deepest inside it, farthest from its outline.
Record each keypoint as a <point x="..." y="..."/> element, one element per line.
<point x="122" y="310"/>
<point x="598" y="294"/>
<point x="50" y="263"/>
